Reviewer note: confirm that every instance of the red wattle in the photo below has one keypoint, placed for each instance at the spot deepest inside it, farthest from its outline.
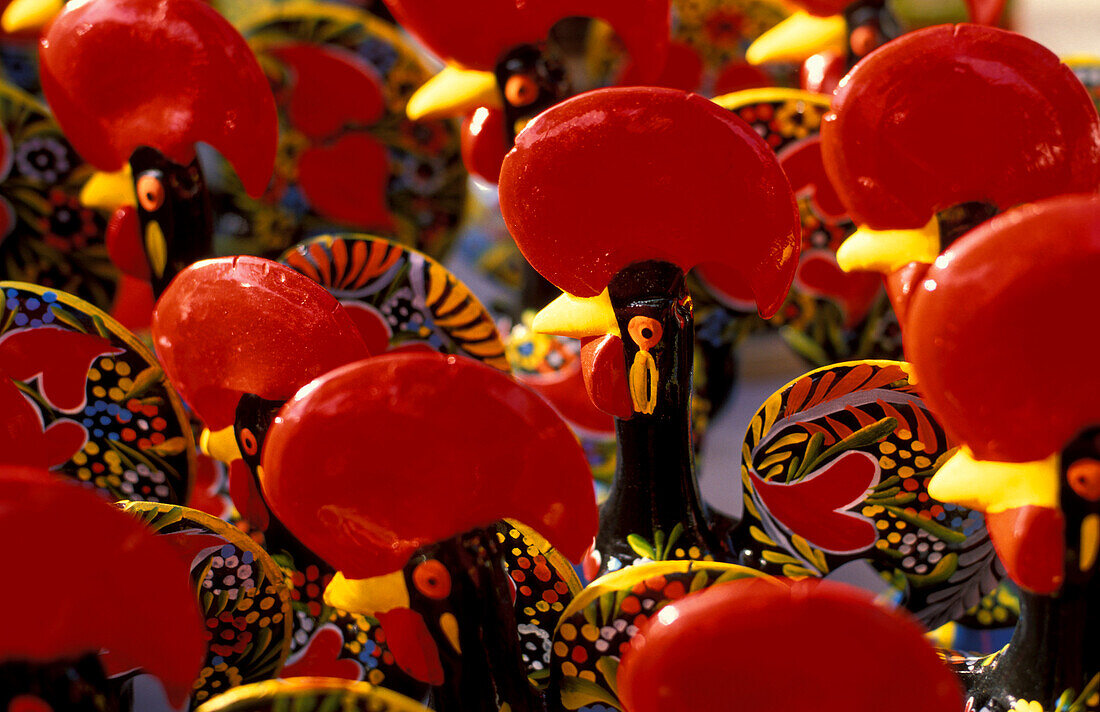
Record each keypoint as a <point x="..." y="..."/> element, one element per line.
<point x="412" y="645"/>
<point x="603" y="364"/>
<point x="1030" y="542"/>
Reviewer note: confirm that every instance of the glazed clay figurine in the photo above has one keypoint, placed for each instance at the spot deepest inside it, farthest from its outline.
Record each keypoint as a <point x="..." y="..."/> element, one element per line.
<point x="311" y="693"/>
<point x="1012" y="380"/>
<point x="50" y="653"/>
<point x="84" y="397"/>
<point x="498" y="64"/>
<point x="919" y="158"/>
<point x="804" y="646"/>
<point x="828" y="36"/>
<point x="451" y="447"/>
<point x="614" y="211"/>
<point x="189" y="77"/>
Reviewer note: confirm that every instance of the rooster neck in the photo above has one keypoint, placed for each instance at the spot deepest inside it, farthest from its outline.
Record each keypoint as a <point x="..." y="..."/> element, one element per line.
<point x="1053" y="649"/>
<point x="185" y="219"/>
<point x="655" y="491"/>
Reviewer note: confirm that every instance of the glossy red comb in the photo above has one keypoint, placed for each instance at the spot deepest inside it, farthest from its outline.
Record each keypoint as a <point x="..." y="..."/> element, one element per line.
<point x="476" y="33"/>
<point x="167" y="74"/>
<point x="732" y="646"/>
<point x="823" y="8"/>
<point x="617" y="176"/>
<point x="96" y="579"/>
<point x="407" y="449"/>
<point x="236" y="325"/>
<point x="954" y="114"/>
<point x="998" y="330"/>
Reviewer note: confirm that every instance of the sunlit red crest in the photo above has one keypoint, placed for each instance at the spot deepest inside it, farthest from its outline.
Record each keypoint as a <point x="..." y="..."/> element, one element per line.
<point x="999" y="331"/>
<point x="954" y="114"/>
<point x="618" y="176"/>
<point x="94" y="578"/>
<point x="119" y="74"/>
<point x="406" y="449"/>
<point x="236" y="325"/>
<point x="717" y="649"/>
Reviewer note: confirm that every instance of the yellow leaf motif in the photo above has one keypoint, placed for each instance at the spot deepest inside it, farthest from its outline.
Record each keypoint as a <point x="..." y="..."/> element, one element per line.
<point x="1025" y="706"/>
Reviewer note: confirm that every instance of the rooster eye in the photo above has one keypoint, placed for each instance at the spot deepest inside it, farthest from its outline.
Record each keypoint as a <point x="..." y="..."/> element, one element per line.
<point x="432" y="579"/>
<point x="248" y="442"/>
<point x="645" y="332"/>
<point x="150" y="191"/>
<point x="1084" y="478"/>
<point x="521" y="90"/>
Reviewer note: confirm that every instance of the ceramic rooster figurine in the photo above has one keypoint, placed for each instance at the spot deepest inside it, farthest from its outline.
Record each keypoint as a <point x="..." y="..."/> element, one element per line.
<point x="919" y="158"/>
<point x="828" y="36"/>
<point x="498" y="64"/>
<point x="71" y="632"/>
<point x="188" y="77"/>
<point x="415" y="551"/>
<point x="614" y="210"/>
<point x="1009" y="378"/>
<point x="839" y="653"/>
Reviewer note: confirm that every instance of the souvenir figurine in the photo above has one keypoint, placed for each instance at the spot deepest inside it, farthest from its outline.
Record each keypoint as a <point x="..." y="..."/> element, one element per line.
<point x="1012" y="381"/>
<point x="919" y="158"/>
<point x="615" y="213"/>
<point x="805" y="646"/>
<point x="121" y="595"/>
<point x="415" y="551"/>
<point x="84" y="397"/>
<point x="189" y="77"/>
<point x="835" y="472"/>
<point x="498" y="68"/>
<point x="828" y="36"/>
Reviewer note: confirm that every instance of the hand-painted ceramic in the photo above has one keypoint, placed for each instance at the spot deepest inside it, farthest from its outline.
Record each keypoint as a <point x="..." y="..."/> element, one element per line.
<point x="283" y="332"/>
<point x="189" y="77"/>
<point x="111" y="419"/>
<point x="349" y="158"/>
<point x="814" y="645"/>
<point x="123" y="592"/>
<point x="311" y="694"/>
<point x="398" y="398"/>
<point x="835" y="471"/>
<point x="240" y="590"/>
<point x="706" y="48"/>
<point x="46" y="236"/>
<point x="829" y="315"/>
<point x="400" y="299"/>
<point x="901" y="147"/>
<point x="600" y="622"/>
<point x="545" y="584"/>
<point x="582" y="204"/>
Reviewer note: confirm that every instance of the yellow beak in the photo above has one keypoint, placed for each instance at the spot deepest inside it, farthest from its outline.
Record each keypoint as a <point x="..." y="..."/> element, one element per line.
<point x="993" y="487"/>
<point x="220" y="444"/>
<point x="25" y="15"/>
<point x="798" y="38"/>
<point x="369" y="596"/>
<point x="578" y="317"/>
<point x="454" y="92"/>
<point x="107" y="191"/>
<point x="887" y="251"/>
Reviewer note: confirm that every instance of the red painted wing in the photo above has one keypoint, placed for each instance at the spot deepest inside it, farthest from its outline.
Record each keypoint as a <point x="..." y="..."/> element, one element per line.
<point x="406" y="449"/>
